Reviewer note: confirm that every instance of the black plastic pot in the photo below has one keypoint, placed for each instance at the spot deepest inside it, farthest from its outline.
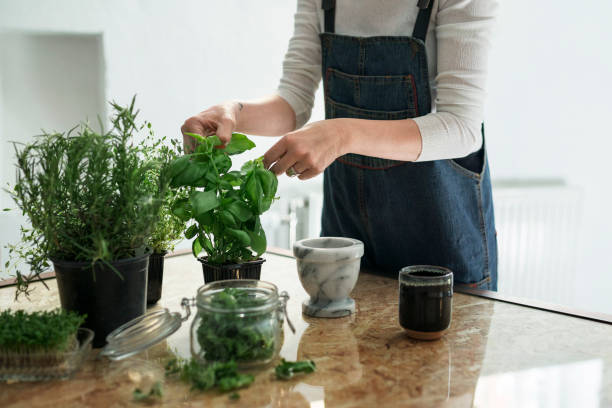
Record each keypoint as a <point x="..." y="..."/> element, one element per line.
<point x="108" y="299"/>
<point x="156" y="277"/>
<point x="246" y="270"/>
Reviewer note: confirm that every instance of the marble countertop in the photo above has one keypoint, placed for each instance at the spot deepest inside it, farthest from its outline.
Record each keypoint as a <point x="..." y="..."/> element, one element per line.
<point x="495" y="354"/>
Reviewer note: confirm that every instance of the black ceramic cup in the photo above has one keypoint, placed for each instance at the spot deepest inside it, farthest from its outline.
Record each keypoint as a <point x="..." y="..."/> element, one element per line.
<point x="425" y="300"/>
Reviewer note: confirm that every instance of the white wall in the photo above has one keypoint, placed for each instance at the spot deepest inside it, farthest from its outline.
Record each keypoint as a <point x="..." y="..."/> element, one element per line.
<point x="549" y="84"/>
<point x="47" y="81"/>
<point x="179" y="57"/>
<point x="548" y="115"/>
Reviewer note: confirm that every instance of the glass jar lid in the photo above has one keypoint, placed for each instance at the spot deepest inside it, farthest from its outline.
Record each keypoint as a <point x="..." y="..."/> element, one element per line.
<point x="141" y="333"/>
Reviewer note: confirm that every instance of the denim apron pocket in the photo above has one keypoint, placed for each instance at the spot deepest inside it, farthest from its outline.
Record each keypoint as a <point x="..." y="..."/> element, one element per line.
<point x="390" y="93"/>
<point x="341" y="110"/>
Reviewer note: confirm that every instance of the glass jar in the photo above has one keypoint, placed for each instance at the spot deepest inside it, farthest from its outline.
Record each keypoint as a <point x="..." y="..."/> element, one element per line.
<point x="240" y="320"/>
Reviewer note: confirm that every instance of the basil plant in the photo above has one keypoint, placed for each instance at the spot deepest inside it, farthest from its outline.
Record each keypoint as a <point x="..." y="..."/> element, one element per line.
<point x="223" y="205"/>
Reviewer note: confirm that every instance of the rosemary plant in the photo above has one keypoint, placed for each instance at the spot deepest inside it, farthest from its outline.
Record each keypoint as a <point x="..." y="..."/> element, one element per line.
<point x="84" y="195"/>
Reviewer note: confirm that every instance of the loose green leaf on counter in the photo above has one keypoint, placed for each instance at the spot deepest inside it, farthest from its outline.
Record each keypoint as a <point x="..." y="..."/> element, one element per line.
<point x="286" y="369"/>
<point x="156" y="391"/>
<point x="235" y="381"/>
<point x="202" y="377"/>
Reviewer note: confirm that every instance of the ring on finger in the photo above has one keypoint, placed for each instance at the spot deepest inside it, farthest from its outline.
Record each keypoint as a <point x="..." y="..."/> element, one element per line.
<point x="291" y="172"/>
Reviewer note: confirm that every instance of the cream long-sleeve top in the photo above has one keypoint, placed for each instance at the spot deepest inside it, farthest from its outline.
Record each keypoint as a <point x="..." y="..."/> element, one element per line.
<point x="457" y="43"/>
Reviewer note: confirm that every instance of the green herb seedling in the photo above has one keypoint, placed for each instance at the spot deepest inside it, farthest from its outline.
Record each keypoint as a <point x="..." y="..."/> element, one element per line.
<point x="38" y="331"/>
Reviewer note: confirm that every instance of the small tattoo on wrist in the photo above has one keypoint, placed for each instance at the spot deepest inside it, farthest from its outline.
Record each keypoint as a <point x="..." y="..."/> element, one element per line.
<point x="240" y="106"/>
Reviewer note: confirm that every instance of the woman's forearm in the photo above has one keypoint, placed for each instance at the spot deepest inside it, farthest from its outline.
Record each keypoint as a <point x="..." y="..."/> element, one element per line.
<point x="271" y="116"/>
<point x="387" y="139"/>
<point x="311" y="149"/>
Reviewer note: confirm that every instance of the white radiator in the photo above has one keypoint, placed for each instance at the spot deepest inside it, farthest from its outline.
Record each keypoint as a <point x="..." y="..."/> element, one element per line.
<point x="537" y="230"/>
<point x="537" y="234"/>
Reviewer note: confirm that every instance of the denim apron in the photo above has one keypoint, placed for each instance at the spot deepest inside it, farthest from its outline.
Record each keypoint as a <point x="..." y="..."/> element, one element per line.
<point x="437" y="212"/>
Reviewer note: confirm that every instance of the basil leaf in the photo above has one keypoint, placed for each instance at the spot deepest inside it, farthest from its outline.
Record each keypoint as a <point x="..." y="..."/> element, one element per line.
<point x="258" y="237"/>
<point x="203" y="201"/>
<point x="253" y="190"/>
<point x="190" y="175"/>
<point x="238" y="144"/>
<point x="196" y="247"/>
<point x="213" y="141"/>
<point x="204" y="150"/>
<point x="205" y="220"/>
<point x="191" y="231"/>
<point x="197" y="137"/>
<point x="224" y="185"/>
<point x="233" y="177"/>
<point x="239" y="235"/>
<point x="180" y="210"/>
<point x="223" y="162"/>
<point x="212" y="176"/>
<point x="206" y="244"/>
<point x="240" y="210"/>
<point x="228" y="219"/>
<point x="178" y="165"/>
<point x="226" y="384"/>
<point x="258" y="241"/>
<point x="286" y="369"/>
<point x="269" y="182"/>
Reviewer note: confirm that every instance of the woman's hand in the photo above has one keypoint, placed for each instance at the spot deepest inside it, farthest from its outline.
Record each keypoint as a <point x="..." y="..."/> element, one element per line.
<point x="308" y="150"/>
<point x="219" y="119"/>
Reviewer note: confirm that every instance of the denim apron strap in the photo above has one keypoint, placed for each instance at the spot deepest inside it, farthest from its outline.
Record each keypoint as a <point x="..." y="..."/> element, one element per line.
<point x="422" y="22"/>
<point x="330" y="15"/>
<point x="438" y="212"/>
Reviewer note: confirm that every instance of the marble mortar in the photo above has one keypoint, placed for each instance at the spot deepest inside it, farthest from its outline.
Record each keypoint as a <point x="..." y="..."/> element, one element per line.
<point x="328" y="268"/>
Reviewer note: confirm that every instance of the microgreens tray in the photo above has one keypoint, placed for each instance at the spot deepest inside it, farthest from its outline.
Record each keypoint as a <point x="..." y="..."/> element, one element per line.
<point x="46" y="365"/>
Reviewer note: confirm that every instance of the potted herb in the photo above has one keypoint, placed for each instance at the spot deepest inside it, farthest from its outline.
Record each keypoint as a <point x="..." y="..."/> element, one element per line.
<point x="92" y="216"/>
<point x="169" y="229"/>
<point x="226" y="211"/>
